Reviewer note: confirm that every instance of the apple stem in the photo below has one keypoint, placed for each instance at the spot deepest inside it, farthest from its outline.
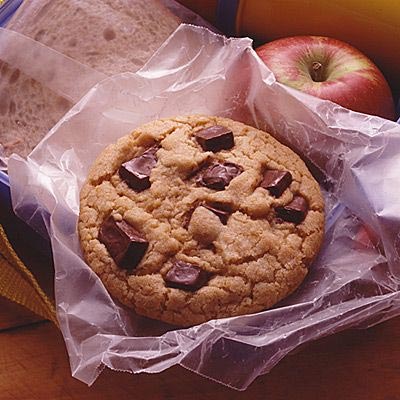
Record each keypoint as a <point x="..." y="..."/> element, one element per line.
<point x="317" y="71"/>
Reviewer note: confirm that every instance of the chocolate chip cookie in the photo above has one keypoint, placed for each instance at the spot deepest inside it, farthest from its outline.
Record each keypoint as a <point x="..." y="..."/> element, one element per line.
<point x="193" y="218"/>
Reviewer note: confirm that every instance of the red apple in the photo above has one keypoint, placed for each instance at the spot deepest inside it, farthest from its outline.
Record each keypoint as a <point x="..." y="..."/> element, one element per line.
<point x="330" y="69"/>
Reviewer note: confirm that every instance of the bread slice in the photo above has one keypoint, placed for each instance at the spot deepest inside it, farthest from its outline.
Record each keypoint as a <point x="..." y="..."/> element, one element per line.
<point x="111" y="36"/>
<point x="28" y="110"/>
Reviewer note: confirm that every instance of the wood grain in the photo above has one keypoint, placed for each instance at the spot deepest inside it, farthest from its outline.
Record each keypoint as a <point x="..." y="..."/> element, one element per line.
<point x="13" y="315"/>
<point x="352" y="365"/>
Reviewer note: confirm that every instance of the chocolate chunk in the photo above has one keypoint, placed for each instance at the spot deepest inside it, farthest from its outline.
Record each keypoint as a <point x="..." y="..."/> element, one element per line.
<point x="217" y="176"/>
<point x="136" y="172"/>
<point x="186" y="276"/>
<point x="276" y="182"/>
<point x="219" y="210"/>
<point x="295" y="211"/>
<point x="215" y="138"/>
<point x="124" y="243"/>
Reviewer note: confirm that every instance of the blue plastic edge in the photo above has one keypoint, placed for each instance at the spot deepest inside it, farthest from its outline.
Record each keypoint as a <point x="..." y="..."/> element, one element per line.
<point x="226" y="15"/>
<point x="5" y="196"/>
<point x="7" y="9"/>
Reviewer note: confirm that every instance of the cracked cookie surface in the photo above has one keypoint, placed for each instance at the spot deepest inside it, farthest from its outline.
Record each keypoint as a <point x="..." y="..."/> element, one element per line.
<point x="185" y="224"/>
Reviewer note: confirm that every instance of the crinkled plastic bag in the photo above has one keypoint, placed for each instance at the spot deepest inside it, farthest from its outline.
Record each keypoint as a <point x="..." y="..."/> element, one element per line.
<point x="352" y="283"/>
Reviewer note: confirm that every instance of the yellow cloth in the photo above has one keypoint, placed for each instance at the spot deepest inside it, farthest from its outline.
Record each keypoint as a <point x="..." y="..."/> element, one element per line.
<point x="19" y="285"/>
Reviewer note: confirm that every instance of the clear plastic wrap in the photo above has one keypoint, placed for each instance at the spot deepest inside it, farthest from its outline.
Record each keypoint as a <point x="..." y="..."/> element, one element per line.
<point x="354" y="282"/>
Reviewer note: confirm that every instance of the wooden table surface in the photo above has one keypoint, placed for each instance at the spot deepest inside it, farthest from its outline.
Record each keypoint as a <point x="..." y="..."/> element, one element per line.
<point x="356" y="364"/>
